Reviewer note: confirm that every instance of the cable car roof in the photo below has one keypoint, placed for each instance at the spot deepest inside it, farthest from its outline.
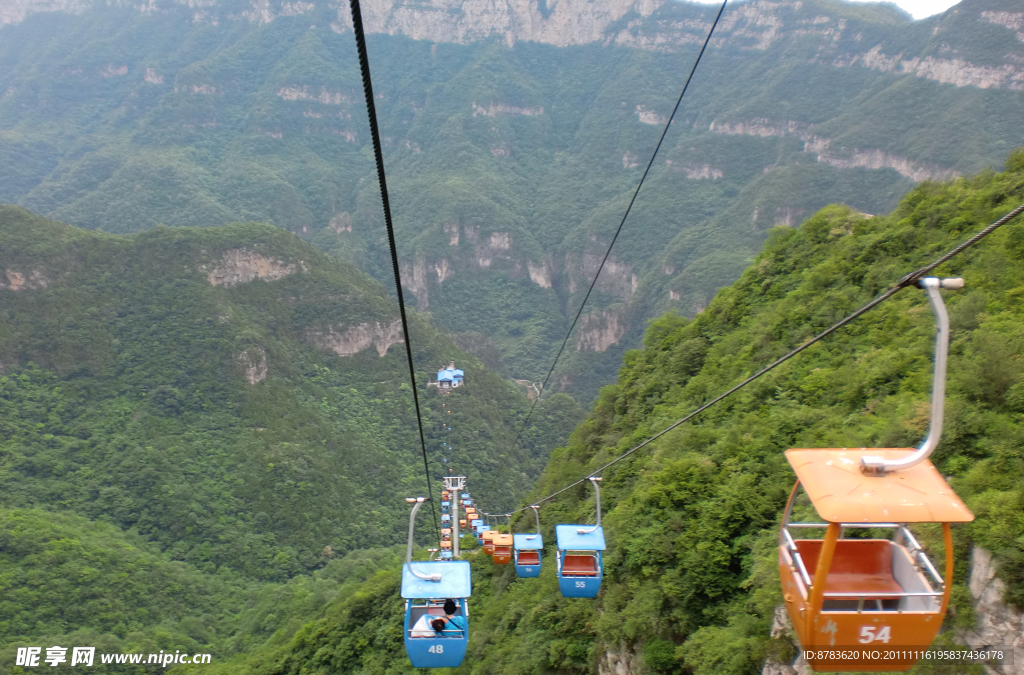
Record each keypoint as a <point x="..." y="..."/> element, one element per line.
<point x="503" y="540"/>
<point x="455" y="580"/>
<point x="528" y="542"/>
<point x="842" y="494"/>
<point x="570" y="539"/>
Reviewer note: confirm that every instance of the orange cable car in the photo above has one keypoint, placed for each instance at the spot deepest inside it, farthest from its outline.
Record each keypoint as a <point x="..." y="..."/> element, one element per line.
<point x="488" y="538"/>
<point x="502" y="549"/>
<point x="846" y="593"/>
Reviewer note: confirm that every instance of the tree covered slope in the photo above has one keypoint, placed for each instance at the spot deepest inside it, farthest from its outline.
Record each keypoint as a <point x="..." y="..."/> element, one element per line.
<point x="511" y="155"/>
<point x="691" y="578"/>
<point x="232" y="394"/>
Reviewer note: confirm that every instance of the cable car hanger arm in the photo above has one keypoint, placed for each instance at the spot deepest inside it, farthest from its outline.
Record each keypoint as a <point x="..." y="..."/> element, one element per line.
<point x="594" y="480"/>
<point x="875" y="465"/>
<point x="418" y="501"/>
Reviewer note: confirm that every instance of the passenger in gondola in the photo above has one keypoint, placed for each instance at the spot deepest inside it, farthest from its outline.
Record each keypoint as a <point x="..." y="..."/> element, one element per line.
<point x="422" y="628"/>
<point x="451" y="622"/>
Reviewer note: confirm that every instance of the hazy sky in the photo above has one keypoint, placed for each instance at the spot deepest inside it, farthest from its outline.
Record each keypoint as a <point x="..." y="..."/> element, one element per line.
<point x="919" y="9"/>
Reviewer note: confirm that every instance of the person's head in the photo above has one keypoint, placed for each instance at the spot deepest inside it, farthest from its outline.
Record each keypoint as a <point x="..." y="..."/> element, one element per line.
<point x="437" y="625"/>
<point x="449" y="607"/>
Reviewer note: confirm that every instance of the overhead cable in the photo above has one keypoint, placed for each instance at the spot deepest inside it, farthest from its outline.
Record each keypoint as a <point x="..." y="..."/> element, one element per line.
<point x="618" y="230"/>
<point x="364" y="66"/>
<point x="907" y="280"/>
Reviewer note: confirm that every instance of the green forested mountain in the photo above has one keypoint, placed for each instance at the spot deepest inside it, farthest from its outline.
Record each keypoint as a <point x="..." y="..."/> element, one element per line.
<point x="691" y="571"/>
<point x="229" y="393"/>
<point x="514" y="135"/>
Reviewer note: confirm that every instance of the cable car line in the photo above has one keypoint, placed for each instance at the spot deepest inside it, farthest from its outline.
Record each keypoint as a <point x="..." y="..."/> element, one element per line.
<point x="618" y="230"/>
<point x="907" y="280"/>
<point x="364" y="67"/>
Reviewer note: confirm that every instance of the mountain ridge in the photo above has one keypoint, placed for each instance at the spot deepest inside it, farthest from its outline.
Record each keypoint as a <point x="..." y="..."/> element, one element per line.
<point x="508" y="167"/>
<point x="231" y="393"/>
<point x="659" y="25"/>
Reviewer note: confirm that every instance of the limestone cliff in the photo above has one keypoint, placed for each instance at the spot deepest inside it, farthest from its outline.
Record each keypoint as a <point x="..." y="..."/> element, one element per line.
<point x="644" y="24"/>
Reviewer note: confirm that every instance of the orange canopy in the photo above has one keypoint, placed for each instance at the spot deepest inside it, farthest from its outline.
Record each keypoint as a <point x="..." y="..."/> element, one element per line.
<point x="842" y="494"/>
<point x="503" y="540"/>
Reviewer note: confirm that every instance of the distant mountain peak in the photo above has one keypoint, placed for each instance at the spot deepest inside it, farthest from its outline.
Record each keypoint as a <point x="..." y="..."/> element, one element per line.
<point x="842" y="34"/>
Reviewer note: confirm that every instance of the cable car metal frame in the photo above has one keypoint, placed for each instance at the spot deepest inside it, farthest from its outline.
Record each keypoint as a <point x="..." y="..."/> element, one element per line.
<point x="425" y="587"/>
<point x="872" y="592"/>
<point x="526" y="550"/>
<point x="579" y="562"/>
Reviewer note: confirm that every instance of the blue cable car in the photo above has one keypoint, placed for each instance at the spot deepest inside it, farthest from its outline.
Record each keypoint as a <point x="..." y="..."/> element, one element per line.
<point x="426" y="586"/>
<point x="526" y="551"/>
<point x="579" y="555"/>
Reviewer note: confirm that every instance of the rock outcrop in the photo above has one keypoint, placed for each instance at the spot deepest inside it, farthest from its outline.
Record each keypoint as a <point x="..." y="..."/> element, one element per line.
<point x="998" y="625"/>
<point x="18" y="281"/>
<point x="622" y="661"/>
<point x="827" y="153"/>
<point x="239" y="265"/>
<point x="598" y="331"/>
<point x="354" y="339"/>
<point x="253" y="362"/>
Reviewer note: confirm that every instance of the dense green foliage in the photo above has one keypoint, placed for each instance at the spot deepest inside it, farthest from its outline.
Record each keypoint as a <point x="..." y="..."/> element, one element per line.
<point x="509" y="167"/>
<point x="71" y="582"/>
<point x="68" y="581"/>
<point x="124" y="396"/>
<point x="691" y="578"/>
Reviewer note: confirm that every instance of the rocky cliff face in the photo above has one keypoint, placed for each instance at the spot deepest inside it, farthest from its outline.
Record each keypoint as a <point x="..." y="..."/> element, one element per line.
<point x="644" y="24"/>
<point x="505" y="209"/>
<point x="998" y="625"/>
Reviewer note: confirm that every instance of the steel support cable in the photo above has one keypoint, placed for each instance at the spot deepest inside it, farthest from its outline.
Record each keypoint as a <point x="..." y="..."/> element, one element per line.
<point x="618" y="230"/>
<point x="908" y="280"/>
<point x="371" y="110"/>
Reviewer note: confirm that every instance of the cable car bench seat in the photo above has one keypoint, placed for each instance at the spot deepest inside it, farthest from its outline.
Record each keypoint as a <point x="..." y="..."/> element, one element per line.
<point x="863" y="567"/>
<point x="528" y="558"/>
<point x="579" y="565"/>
